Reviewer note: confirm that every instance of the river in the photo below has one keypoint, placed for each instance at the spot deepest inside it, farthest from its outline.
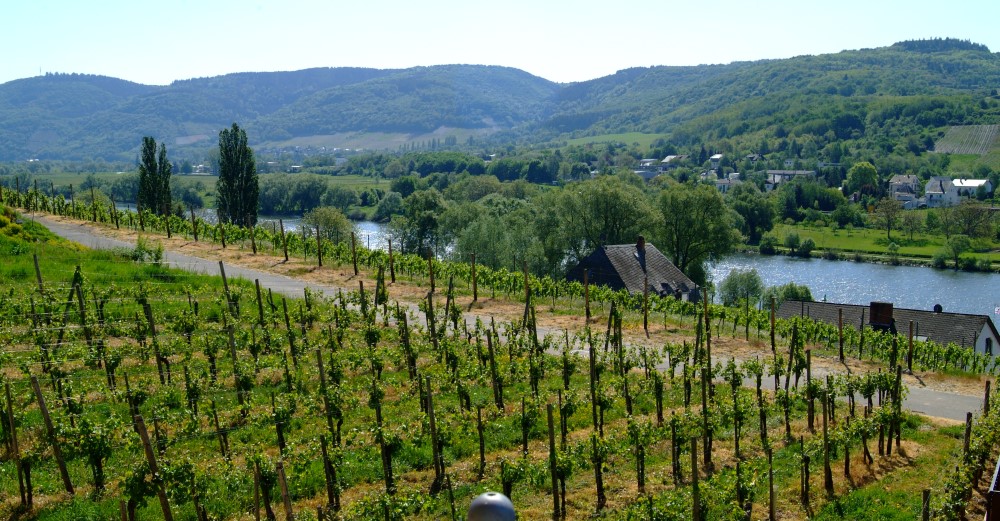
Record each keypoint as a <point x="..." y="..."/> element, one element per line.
<point x="851" y="282"/>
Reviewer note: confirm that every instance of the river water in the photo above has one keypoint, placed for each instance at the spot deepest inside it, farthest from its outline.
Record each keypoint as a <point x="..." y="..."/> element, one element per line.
<point x="851" y="282"/>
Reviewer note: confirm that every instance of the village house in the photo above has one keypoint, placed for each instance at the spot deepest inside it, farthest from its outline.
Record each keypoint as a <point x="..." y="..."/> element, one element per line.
<point x="976" y="332"/>
<point x="636" y="268"/>
<point x="726" y="183"/>
<point x="940" y="191"/>
<point x="715" y="160"/>
<point x="672" y="161"/>
<point x="905" y="189"/>
<point x="776" y="177"/>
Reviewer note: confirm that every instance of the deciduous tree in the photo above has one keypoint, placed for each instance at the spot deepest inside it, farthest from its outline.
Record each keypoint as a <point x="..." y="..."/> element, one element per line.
<point x="887" y="214"/>
<point x="696" y="226"/>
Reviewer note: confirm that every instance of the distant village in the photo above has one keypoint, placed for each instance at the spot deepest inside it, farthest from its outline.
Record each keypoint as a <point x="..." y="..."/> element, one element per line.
<point x="937" y="192"/>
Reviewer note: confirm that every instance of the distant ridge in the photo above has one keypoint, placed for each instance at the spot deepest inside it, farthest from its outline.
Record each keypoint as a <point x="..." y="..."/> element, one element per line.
<point x="82" y="117"/>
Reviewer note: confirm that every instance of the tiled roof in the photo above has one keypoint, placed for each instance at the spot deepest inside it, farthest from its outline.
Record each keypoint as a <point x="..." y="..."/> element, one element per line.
<point x="943" y="328"/>
<point x="625" y="266"/>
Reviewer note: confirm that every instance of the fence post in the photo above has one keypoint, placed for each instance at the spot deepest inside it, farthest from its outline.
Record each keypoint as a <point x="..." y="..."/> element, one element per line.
<point x="50" y="429"/>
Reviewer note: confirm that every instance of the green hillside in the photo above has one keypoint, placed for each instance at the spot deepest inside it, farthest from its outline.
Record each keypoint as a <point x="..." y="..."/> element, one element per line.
<point x="871" y="99"/>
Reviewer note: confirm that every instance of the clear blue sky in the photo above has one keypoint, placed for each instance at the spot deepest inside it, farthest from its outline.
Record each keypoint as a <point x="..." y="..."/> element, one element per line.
<point x="561" y="40"/>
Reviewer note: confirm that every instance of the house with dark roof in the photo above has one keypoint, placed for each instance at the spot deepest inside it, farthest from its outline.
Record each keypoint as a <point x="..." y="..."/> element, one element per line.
<point x="905" y="188"/>
<point x="776" y="177"/>
<point x="973" y="331"/>
<point x="635" y="267"/>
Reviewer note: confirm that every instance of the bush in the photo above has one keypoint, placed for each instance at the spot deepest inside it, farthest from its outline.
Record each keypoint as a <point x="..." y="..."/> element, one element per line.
<point x="792" y="242"/>
<point x="968" y="264"/>
<point x="831" y="254"/>
<point x="768" y="244"/>
<point x="940" y="261"/>
<point x="806" y="248"/>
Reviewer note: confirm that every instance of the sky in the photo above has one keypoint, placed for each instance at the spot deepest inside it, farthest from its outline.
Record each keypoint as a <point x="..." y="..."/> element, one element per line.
<point x="156" y="43"/>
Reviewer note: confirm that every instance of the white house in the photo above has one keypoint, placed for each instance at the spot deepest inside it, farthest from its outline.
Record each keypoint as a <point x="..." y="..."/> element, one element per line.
<point x="940" y="191"/>
<point x="968" y="187"/>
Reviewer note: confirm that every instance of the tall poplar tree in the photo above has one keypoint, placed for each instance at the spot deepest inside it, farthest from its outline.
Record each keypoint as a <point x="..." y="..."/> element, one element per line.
<point x="237" y="190"/>
<point x="154" y="178"/>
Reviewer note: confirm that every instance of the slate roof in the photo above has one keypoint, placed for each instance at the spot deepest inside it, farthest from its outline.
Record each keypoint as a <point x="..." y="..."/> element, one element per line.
<point x="942" y="328"/>
<point x="626" y="266"/>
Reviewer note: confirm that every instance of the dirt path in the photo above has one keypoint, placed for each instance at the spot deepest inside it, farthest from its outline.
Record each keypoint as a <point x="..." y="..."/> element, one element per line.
<point x="930" y="394"/>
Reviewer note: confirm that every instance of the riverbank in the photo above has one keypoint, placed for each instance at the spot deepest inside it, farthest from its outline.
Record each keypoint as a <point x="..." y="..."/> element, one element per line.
<point x="870" y="245"/>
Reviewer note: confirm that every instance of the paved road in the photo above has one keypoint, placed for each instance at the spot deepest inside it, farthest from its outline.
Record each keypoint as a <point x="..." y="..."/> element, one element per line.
<point x="920" y="399"/>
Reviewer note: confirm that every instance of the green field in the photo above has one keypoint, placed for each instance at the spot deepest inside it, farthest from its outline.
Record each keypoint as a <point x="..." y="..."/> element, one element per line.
<point x="923" y="246"/>
<point x="630" y="138"/>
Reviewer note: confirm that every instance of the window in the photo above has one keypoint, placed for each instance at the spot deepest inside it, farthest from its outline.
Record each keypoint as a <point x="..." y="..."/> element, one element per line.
<point x="989" y="346"/>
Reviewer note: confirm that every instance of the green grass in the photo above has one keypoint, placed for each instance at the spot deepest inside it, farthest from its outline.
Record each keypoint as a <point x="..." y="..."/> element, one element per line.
<point x="874" y="242"/>
<point x="629" y="138"/>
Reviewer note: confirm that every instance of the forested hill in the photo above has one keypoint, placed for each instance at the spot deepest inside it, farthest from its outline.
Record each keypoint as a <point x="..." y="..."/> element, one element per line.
<point x="72" y="116"/>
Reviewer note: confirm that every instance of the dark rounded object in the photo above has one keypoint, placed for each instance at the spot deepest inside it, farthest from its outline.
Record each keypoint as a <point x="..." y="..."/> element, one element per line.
<point x="938" y="308"/>
<point x="491" y="506"/>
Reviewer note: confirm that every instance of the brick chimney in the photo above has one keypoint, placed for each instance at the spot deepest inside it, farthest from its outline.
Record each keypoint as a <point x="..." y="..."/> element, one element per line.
<point x="640" y="243"/>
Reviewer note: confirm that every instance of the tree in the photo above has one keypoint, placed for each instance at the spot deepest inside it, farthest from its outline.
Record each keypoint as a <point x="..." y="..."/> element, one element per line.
<point x="911" y="223"/>
<point x="973" y="219"/>
<point x="755" y="208"/>
<point x="237" y="190"/>
<point x="955" y="246"/>
<point x="887" y="214"/>
<point x="332" y="223"/>
<point x="154" y="178"/>
<point x="696" y="226"/>
<point x="741" y="285"/>
<point x="789" y="291"/>
<point x="417" y="227"/>
<point x="863" y="178"/>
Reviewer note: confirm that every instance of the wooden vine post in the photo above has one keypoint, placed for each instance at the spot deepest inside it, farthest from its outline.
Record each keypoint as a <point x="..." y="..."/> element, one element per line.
<point x="354" y="253"/>
<point x="319" y="248"/>
<point x="51" y="433"/>
<point x="194" y="224"/>
<point x="392" y="264"/>
<point x="285" y="497"/>
<point x="225" y="287"/>
<point x="161" y="491"/>
<point x="840" y="331"/>
<point x="774" y="348"/>
<point x="284" y="241"/>
<point x="475" y="287"/>
<point x="909" y="351"/>
<point x="586" y="295"/>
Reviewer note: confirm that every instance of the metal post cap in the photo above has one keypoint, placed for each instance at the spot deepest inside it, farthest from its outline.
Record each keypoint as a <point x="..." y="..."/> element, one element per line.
<point x="491" y="506"/>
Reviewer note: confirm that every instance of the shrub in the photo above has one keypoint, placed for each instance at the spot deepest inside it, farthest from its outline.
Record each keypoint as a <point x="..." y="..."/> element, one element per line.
<point x="792" y="242"/>
<point x="768" y="244"/>
<point x="940" y="261"/>
<point x="806" y="248"/>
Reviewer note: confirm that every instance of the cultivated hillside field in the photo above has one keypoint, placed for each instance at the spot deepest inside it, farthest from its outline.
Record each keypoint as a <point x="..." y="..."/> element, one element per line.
<point x="968" y="139"/>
